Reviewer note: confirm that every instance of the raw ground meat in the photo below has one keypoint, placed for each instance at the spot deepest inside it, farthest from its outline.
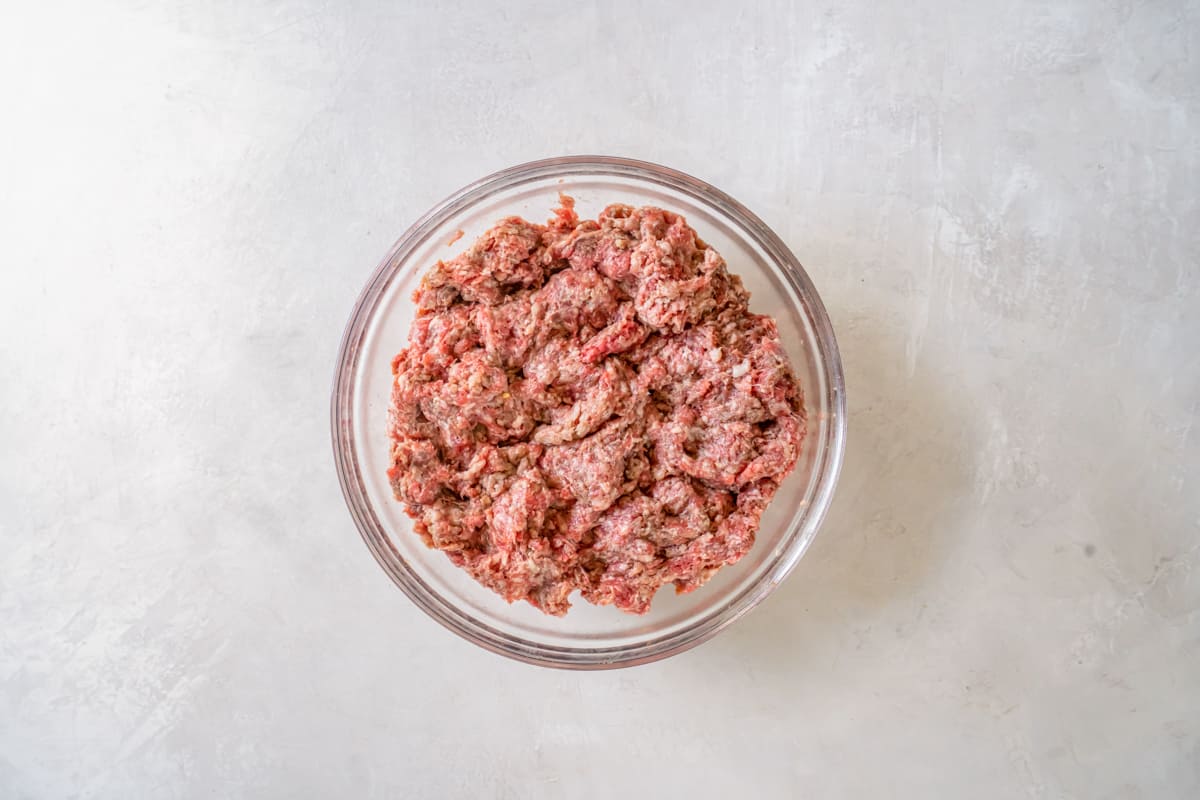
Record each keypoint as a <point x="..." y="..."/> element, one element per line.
<point x="589" y="405"/>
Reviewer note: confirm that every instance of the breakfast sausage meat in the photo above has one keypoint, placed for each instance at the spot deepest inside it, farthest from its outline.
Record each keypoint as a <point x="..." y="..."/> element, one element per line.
<point x="589" y="405"/>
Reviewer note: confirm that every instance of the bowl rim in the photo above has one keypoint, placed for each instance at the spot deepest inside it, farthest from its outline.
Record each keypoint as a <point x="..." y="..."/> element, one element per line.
<point x="803" y="531"/>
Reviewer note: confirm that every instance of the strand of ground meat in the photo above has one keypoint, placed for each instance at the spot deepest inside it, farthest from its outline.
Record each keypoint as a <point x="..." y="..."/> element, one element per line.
<point x="590" y="405"/>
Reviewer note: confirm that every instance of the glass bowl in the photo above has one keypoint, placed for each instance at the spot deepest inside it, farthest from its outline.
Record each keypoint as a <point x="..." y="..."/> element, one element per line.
<point x="588" y="637"/>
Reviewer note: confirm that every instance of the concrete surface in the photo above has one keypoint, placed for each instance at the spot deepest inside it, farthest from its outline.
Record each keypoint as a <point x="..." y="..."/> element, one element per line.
<point x="999" y="204"/>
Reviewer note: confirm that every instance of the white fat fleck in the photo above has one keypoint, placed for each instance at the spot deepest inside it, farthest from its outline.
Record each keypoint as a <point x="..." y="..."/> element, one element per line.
<point x="741" y="369"/>
<point x="715" y="354"/>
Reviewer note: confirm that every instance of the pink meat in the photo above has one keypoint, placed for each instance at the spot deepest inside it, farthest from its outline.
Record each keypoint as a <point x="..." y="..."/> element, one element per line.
<point x="590" y="406"/>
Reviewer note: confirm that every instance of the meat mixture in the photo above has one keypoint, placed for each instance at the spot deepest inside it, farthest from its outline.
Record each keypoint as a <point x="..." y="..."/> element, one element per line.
<point x="590" y="405"/>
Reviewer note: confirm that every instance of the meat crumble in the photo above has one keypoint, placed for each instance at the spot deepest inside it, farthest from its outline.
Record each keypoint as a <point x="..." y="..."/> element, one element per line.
<point x="590" y="405"/>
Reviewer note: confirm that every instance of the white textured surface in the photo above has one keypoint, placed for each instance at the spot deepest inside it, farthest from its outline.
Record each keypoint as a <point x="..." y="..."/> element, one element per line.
<point x="999" y="205"/>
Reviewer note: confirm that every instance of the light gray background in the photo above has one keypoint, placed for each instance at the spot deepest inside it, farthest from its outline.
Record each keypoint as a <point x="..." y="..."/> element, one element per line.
<point x="998" y="202"/>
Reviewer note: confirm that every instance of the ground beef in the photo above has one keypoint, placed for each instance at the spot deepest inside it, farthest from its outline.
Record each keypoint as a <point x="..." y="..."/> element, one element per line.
<point x="589" y="405"/>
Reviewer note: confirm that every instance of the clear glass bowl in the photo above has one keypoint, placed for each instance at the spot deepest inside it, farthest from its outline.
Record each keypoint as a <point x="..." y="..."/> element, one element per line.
<point x="588" y="637"/>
